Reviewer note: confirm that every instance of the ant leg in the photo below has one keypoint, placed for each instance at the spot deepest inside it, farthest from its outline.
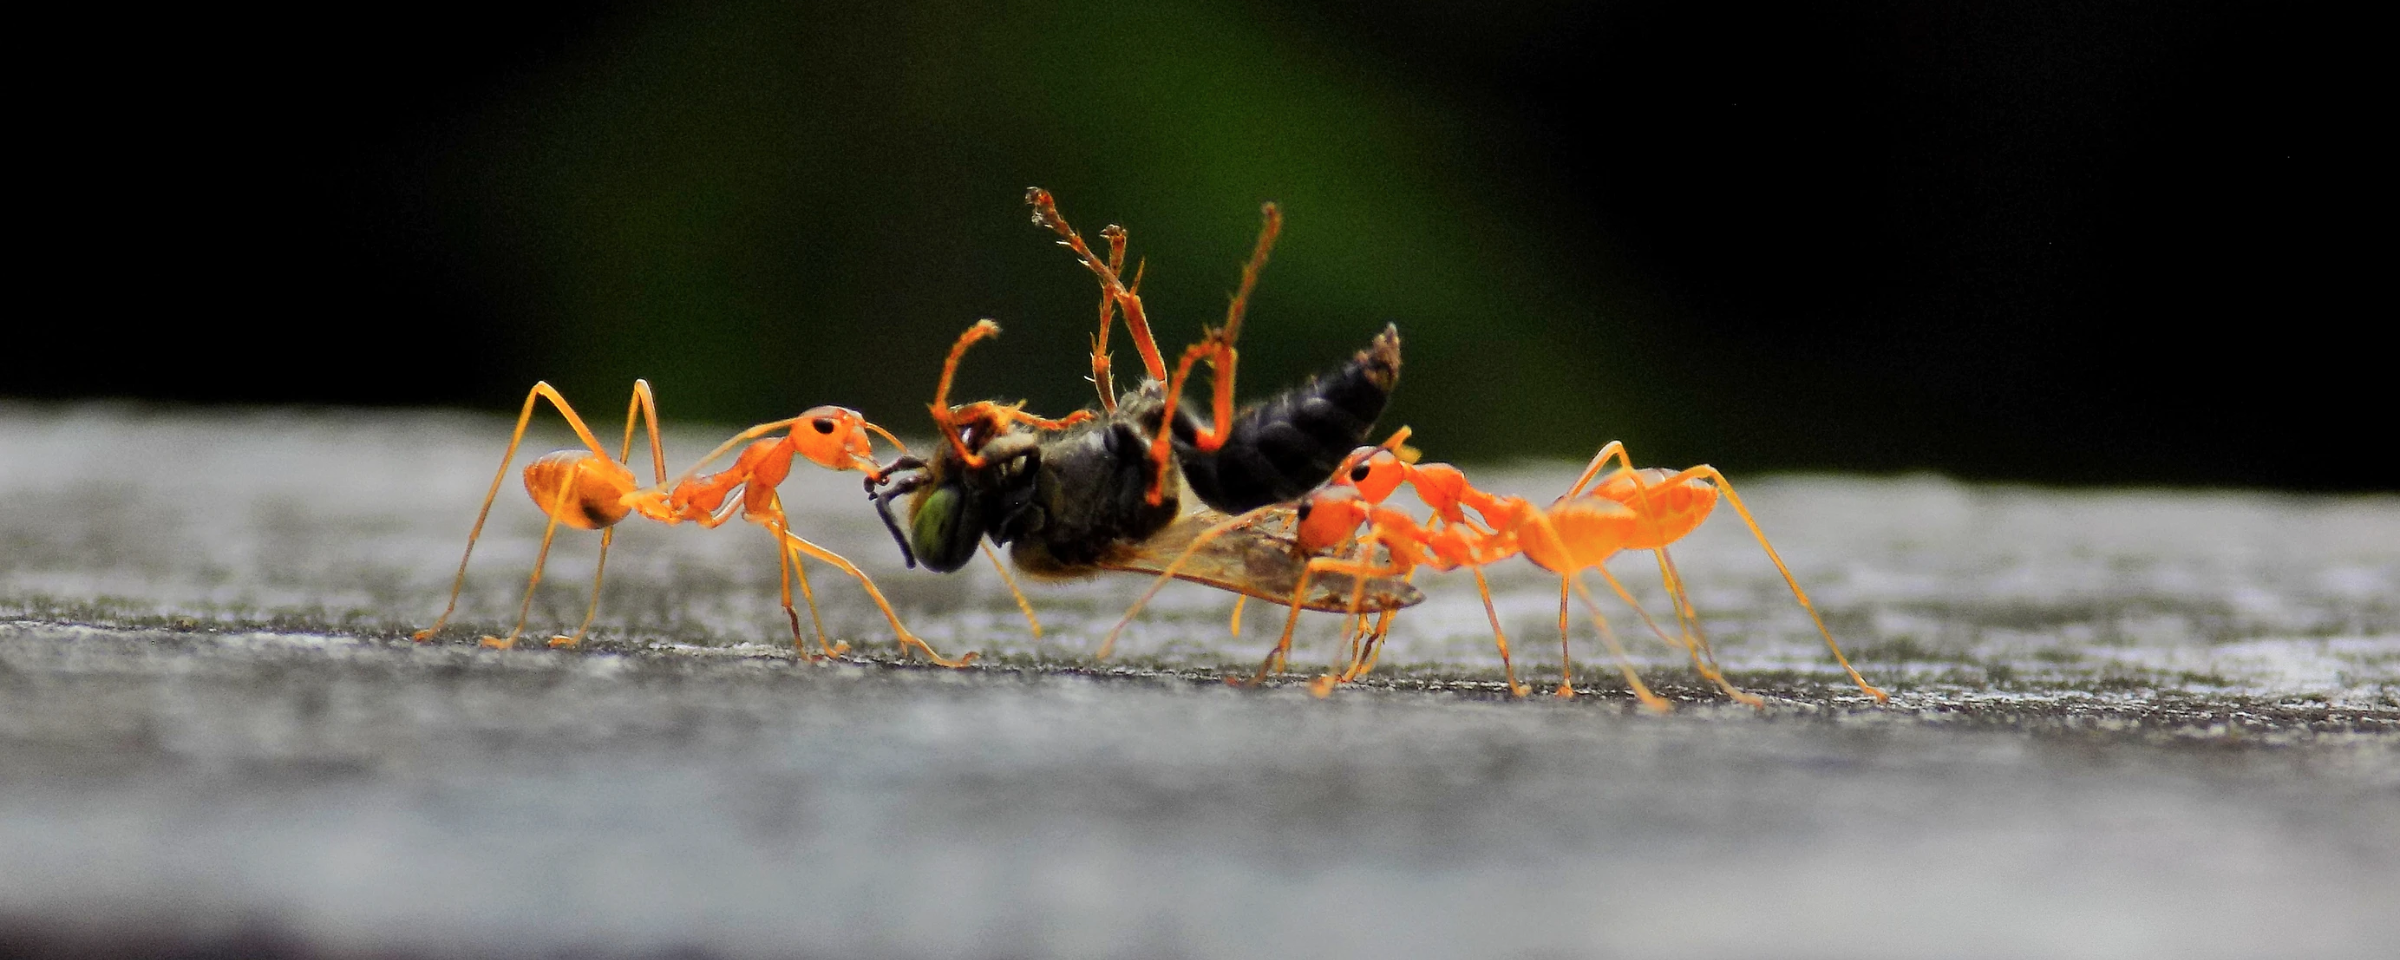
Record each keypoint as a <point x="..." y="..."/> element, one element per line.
<point x="640" y="410"/>
<point x="549" y="532"/>
<point x="907" y="640"/>
<point x="647" y="406"/>
<point x="540" y="391"/>
<point x="1566" y="663"/>
<point x="1283" y="646"/>
<point x="1735" y="499"/>
<point x="1022" y="603"/>
<point x="599" y="571"/>
<point x="1352" y="568"/>
<point x="1654" y="702"/>
<point x="1612" y="450"/>
<point x="1499" y="638"/>
<point x="1235" y="627"/>
<point x="1693" y="642"/>
<point x="786" y="565"/>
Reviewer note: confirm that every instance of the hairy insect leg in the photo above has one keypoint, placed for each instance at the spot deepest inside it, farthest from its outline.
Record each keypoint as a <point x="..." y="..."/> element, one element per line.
<point x="1024" y="605"/>
<point x="907" y="640"/>
<point x="1217" y="347"/>
<point x="1102" y="381"/>
<point x="1137" y="323"/>
<point x="540" y="391"/>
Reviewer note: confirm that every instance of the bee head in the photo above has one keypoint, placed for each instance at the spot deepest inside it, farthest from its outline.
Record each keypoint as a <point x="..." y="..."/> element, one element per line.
<point x="945" y="522"/>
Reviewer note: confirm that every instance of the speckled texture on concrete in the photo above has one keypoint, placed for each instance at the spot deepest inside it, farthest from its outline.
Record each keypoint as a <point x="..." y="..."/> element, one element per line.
<point x="2124" y="723"/>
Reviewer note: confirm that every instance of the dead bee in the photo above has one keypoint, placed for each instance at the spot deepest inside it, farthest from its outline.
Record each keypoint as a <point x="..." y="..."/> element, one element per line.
<point x="1102" y="489"/>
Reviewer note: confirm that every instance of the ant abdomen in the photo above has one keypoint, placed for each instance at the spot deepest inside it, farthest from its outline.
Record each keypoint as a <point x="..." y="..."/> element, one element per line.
<point x="1289" y="444"/>
<point x="580" y="488"/>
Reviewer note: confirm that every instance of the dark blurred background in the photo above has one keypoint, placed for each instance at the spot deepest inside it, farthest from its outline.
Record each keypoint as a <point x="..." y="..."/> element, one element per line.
<point x="2072" y="242"/>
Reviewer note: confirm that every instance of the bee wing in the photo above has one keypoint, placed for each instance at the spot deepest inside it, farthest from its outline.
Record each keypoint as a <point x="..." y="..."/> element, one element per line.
<point x="1254" y="560"/>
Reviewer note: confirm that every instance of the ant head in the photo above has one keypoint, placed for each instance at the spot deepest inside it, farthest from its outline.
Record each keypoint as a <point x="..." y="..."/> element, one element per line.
<point x="836" y="438"/>
<point x="1373" y="471"/>
<point x="1327" y="516"/>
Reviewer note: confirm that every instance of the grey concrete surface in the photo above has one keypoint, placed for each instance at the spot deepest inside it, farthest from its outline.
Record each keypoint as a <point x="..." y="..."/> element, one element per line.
<point x="2134" y="723"/>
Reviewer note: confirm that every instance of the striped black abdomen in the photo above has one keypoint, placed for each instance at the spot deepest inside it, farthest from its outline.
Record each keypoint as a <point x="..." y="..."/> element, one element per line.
<point x="1290" y="444"/>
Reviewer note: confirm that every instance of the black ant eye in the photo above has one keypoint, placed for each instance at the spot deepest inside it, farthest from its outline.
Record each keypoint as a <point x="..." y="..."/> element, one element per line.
<point x="1358" y="474"/>
<point x="823" y="424"/>
<point x="1302" y="512"/>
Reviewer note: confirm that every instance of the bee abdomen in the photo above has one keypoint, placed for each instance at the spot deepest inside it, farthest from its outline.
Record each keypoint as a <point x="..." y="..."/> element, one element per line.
<point x="1290" y="444"/>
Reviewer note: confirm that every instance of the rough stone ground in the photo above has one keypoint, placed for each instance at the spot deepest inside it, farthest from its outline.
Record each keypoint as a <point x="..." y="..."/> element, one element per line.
<point x="2125" y="723"/>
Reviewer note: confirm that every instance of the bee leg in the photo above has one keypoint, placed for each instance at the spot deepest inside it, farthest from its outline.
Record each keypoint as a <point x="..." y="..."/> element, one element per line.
<point x="1217" y="346"/>
<point x="1023" y="604"/>
<point x="1128" y="299"/>
<point x="1102" y="381"/>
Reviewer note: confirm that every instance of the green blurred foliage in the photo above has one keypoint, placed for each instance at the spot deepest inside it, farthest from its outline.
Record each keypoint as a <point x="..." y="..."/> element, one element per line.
<point x="762" y="207"/>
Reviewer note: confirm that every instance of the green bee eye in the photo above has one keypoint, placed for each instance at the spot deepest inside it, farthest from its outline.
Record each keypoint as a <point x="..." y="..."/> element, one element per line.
<point x="945" y="528"/>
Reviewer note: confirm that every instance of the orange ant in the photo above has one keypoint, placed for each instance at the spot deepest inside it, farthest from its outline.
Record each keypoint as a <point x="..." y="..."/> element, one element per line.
<point x="1628" y="510"/>
<point x="589" y="490"/>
